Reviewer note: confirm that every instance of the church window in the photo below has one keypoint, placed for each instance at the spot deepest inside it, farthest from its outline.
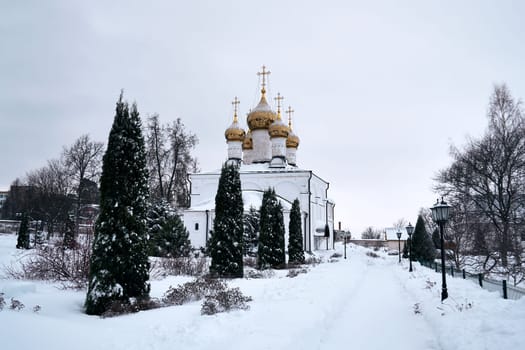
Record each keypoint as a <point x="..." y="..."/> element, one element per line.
<point x="196" y="226"/>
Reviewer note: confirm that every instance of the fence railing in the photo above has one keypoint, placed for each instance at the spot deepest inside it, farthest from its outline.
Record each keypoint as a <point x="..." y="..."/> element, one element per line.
<point x="506" y="291"/>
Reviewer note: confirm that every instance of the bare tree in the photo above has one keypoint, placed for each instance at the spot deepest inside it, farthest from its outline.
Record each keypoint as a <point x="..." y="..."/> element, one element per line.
<point x="371" y="233"/>
<point x="49" y="188"/>
<point x="489" y="175"/>
<point x="400" y="224"/>
<point x="83" y="160"/>
<point x="170" y="160"/>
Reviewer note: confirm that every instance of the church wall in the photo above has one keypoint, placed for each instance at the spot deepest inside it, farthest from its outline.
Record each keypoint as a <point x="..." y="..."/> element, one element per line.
<point x="288" y="184"/>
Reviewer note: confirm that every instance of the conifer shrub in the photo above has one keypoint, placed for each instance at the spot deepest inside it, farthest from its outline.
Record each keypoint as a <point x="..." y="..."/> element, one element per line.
<point x="295" y="236"/>
<point x="23" y="233"/>
<point x="271" y="250"/>
<point x="226" y="242"/>
<point x="119" y="268"/>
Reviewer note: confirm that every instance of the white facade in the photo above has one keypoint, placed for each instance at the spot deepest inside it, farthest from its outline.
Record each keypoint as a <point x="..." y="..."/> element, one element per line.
<point x="289" y="183"/>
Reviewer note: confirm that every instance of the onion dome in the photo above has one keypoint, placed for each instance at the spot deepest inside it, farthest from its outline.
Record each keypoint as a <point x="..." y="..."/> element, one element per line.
<point x="278" y="128"/>
<point x="235" y="132"/>
<point x="262" y="115"/>
<point x="248" y="141"/>
<point x="293" y="140"/>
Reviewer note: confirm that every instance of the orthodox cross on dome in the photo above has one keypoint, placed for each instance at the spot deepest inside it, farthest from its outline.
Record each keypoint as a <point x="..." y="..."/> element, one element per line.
<point x="289" y="112"/>
<point x="264" y="73"/>
<point x="279" y="98"/>
<point x="235" y="103"/>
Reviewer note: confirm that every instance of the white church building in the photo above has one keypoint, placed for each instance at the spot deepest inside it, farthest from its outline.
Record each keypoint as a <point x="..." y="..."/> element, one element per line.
<point x="267" y="157"/>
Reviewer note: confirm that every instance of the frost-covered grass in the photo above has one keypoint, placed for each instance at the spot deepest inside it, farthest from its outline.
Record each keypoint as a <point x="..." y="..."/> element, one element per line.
<point x="362" y="302"/>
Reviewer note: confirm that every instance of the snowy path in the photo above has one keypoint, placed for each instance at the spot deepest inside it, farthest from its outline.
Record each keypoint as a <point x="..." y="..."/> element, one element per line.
<point x="385" y="312"/>
<point x="360" y="303"/>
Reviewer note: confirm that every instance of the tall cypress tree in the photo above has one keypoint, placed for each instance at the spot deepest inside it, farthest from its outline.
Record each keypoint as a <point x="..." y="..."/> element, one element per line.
<point x="251" y="231"/>
<point x="270" y="252"/>
<point x="422" y="245"/>
<point x="119" y="267"/>
<point x="226" y="244"/>
<point x="23" y="233"/>
<point x="295" y="236"/>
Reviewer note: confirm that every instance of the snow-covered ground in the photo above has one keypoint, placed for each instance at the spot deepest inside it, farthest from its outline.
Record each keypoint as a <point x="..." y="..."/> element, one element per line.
<point x="358" y="303"/>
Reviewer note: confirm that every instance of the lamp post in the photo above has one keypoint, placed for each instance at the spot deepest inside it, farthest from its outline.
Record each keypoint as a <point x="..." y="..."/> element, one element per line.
<point x="344" y="235"/>
<point x="399" y="244"/>
<point x="440" y="214"/>
<point x="410" y="230"/>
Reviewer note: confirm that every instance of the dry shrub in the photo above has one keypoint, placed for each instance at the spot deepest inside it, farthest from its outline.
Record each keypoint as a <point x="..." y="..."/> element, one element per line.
<point x="2" y="301"/>
<point x="218" y="297"/>
<point x="313" y="260"/>
<point x="133" y="305"/>
<point x="257" y="274"/>
<point x="295" y="272"/>
<point x="224" y="301"/>
<point x="56" y="263"/>
<point x="372" y="255"/>
<point x="192" y="291"/>
<point x="250" y="262"/>
<point x="16" y="305"/>
<point x="187" y="266"/>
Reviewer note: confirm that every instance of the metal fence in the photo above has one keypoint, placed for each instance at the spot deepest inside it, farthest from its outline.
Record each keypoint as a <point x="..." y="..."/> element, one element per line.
<point x="506" y="291"/>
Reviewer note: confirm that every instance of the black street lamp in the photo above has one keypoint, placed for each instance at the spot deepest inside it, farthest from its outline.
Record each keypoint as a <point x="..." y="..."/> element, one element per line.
<point x="410" y="230"/>
<point x="399" y="244"/>
<point x="440" y="214"/>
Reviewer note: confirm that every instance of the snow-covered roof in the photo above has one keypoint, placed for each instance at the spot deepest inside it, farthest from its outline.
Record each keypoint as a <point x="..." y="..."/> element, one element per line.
<point x="249" y="199"/>
<point x="257" y="167"/>
<point x="391" y="233"/>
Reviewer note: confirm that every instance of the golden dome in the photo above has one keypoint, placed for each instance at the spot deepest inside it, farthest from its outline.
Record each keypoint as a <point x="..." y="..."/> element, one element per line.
<point x="278" y="128"/>
<point x="234" y="132"/>
<point x="248" y="142"/>
<point x="293" y="140"/>
<point x="261" y="116"/>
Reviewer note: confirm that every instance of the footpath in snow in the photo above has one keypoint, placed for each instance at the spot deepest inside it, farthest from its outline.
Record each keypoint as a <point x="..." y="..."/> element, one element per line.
<point x="362" y="302"/>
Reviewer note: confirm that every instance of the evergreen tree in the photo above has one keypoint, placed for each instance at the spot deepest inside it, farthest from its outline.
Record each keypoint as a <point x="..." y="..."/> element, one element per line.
<point x="436" y="239"/>
<point x="270" y="252"/>
<point x="422" y="245"/>
<point x="23" y="233"/>
<point x="167" y="235"/>
<point x="251" y="231"/>
<point x="295" y="236"/>
<point x="119" y="267"/>
<point x="405" y="249"/>
<point x="69" y="235"/>
<point x="226" y="245"/>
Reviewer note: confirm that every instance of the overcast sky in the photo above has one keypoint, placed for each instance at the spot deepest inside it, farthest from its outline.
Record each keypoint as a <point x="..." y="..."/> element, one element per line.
<point x="380" y="89"/>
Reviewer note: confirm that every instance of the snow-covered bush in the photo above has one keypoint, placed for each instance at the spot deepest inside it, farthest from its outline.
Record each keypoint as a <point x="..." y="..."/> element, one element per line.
<point x="295" y="272"/>
<point x="224" y="301"/>
<point x="2" y="301"/>
<point x="133" y="305"/>
<point x="16" y="305"/>
<point x="193" y="291"/>
<point x="218" y="297"/>
<point x="372" y="255"/>
<point x="56" y="263"/>
<point x="188" y="266"/>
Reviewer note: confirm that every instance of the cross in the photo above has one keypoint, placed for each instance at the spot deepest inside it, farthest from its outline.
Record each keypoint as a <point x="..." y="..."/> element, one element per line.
<point x="279" y="98"/>
<point x="235" y="103"/>
<point x="289" y="112"/>
<point x="264" y="73"/>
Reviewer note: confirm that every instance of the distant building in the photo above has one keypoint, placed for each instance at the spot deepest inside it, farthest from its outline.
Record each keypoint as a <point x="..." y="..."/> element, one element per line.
<point x="3" y="197"/>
